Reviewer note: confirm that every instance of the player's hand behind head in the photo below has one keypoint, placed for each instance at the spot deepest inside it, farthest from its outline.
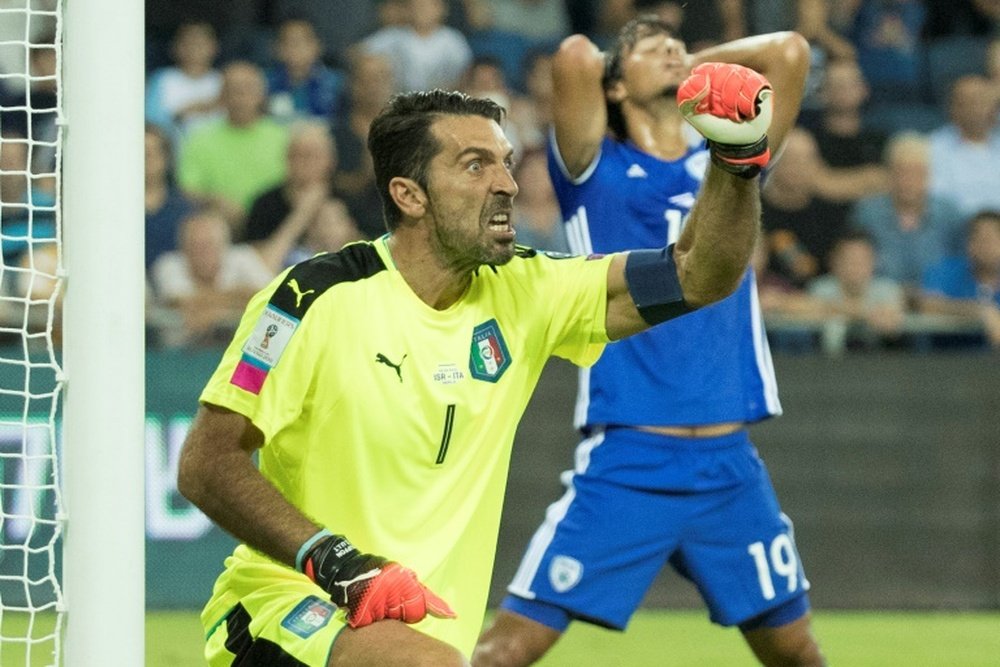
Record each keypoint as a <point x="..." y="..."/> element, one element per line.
<point x="369" y="587"/>
<point x="731" y="106"/>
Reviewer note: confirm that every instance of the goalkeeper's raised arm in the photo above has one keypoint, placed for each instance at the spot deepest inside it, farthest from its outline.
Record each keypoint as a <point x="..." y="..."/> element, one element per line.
<point x="731" y="106"/>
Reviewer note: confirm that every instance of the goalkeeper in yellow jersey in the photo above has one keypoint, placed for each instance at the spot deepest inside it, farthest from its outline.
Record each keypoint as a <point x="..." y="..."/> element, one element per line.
<point x="382" y="385"/>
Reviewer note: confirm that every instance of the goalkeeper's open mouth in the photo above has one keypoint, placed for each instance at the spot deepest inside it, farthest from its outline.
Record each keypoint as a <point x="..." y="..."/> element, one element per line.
<point x="500" y="224"/>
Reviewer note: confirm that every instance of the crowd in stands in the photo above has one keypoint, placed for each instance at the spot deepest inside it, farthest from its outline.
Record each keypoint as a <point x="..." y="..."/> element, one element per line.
<point x="881" y="218"/>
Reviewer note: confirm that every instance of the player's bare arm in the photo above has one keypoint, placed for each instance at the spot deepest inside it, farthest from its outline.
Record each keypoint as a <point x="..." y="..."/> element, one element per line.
<point x="217" y="474"/>
<point x="783" y="58"/>
<point x="579" y="116"/>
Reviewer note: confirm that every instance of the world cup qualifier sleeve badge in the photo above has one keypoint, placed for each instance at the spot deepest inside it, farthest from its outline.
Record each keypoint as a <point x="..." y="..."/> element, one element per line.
<point x="488" y="356"/>
<point x="262" y="350"/>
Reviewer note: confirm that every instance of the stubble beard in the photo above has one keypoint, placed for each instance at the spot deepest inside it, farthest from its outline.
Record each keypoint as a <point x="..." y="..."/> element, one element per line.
<point x="464" y="251"/>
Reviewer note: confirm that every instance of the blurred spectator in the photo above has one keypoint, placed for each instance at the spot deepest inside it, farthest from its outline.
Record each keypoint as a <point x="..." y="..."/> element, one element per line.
<point x="31" y="303"/>
<point x="948" y="18"/>
<point x="21" y="21"/>
<point x="839" y="125"/>
<point x="27" y="214"/>
<point x="531" y="114"/>
<point x="823" y="23"/>
<point x="537" y="219"/>
<point x="392" y="13"/>
<point x="338" y="23"/>
<point x="208" y="281"/>
<point x="791" y="315"/>
<point x="779" y="296"/>
<point x="801" y="226"/>
<point x="968" y="286"/>
<point x="886" y="36"/>
<point x="510" y="29"/>
<point x="868" y="309"/>
<point x="485" y="78"/>
<point x="991" y="66"/>
<point x="371" y="83"/>
<point x="165" y="205"/>
<point x="851" y="149"/>
<point x="238" y="23"/>
<point x="535" y="20"/>
<point x="182" y="96"/>
<point x="911" y="227"/>
<point x="965" y="152"/>
<point x="331" y="229"/>
<point x="425" y="53"/>
<point x="700" y="24"/>
<point x="989" y="9"/>
<point x="293" y="204"/>
<point x="813" y="19"/>
<point x="229" y="162"/>
<point x="33" y="113"/>
<point x="299" y="84"/>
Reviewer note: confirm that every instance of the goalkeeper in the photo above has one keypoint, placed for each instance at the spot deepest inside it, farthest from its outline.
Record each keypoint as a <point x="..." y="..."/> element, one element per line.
<point x="381" y="386"/>
<point x="665" y="472"/>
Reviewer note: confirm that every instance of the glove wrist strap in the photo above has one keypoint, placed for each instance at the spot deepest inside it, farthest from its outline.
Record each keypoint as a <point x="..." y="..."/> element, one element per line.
<point x="323" y="560"/>
<point x="745" y="161"/>
<point x="307" y="546"/>
<point x="322" y="556"/>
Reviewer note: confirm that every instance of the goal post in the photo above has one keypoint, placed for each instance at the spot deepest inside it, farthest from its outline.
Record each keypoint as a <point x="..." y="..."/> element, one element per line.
<point x="103" y="344"/>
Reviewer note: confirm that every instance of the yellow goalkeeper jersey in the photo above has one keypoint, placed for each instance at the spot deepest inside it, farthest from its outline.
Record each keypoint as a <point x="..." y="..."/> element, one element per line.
<point x="392" y="423"/>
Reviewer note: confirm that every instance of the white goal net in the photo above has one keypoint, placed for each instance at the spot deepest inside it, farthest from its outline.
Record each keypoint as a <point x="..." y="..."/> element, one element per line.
<point x="31" y="601"/>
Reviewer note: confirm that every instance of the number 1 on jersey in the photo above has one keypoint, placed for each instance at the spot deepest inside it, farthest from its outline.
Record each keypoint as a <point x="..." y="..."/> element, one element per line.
<point x="449" y="422"/>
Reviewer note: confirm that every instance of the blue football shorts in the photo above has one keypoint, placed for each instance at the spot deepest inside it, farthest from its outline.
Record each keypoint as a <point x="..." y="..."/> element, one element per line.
<point x="636" y="501"/>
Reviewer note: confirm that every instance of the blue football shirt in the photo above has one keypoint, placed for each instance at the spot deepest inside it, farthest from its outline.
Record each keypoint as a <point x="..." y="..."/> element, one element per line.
<point x="707" y="367"/>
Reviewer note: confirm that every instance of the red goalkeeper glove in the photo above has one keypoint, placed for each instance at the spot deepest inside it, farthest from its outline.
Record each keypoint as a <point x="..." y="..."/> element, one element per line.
<point x="731" y="106"/>
<point x="369" y="587"/>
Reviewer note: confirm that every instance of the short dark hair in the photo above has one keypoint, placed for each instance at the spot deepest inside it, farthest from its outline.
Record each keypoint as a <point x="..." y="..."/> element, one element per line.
<point x="642" y="26"/>
<point x="401" y="142"/>
<point x="853" y="235"/>
<point x="985" y="215"/>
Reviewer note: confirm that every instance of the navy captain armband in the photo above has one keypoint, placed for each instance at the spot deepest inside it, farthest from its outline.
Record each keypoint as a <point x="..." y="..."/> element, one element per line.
<point x="652" y="281"/>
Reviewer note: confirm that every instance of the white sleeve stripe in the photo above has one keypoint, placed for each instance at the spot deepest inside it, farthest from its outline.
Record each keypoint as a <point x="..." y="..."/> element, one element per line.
<point x="762" y="352"/>
<point x="582" y="178"/>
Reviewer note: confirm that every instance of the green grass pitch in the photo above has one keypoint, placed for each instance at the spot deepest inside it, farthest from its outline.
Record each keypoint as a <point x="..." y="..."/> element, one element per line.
<point x="656" y="639"/>
<point x="686" y="638"/>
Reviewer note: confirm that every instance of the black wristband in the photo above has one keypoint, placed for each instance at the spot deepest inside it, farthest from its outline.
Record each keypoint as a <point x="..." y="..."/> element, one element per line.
<point x="738" y="159"/>
<point x="323" y="559"/>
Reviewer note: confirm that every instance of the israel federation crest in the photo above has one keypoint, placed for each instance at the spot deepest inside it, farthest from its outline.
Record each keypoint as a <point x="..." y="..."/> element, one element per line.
<point x="488" y="357"/>
<point x="564" y="573"/>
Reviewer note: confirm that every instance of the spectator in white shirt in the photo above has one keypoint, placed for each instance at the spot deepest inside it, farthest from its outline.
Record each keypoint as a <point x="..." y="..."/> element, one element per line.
<point x="208" y="281"/>
<point x="425" y="52"/>
<point x="966" y="151"/>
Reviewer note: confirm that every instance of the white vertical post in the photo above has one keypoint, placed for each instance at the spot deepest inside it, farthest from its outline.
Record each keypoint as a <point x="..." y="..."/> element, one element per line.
<point x="103" y="213"/>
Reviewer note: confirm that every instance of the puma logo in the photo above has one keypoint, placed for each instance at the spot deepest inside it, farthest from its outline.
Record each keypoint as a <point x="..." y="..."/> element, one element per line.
<point x="294" y="284"/>
<point x="382" y="359"/>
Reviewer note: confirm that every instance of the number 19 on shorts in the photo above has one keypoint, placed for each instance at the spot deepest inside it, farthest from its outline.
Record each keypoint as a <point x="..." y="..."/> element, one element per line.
<point x="776" y="561"/>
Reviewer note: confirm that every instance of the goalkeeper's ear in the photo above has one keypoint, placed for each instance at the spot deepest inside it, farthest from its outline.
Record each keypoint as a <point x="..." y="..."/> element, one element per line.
<point x="410" y="198"/>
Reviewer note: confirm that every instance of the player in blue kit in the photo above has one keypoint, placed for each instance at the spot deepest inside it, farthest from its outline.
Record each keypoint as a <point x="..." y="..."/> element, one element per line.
<point x="666" y="472"/>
